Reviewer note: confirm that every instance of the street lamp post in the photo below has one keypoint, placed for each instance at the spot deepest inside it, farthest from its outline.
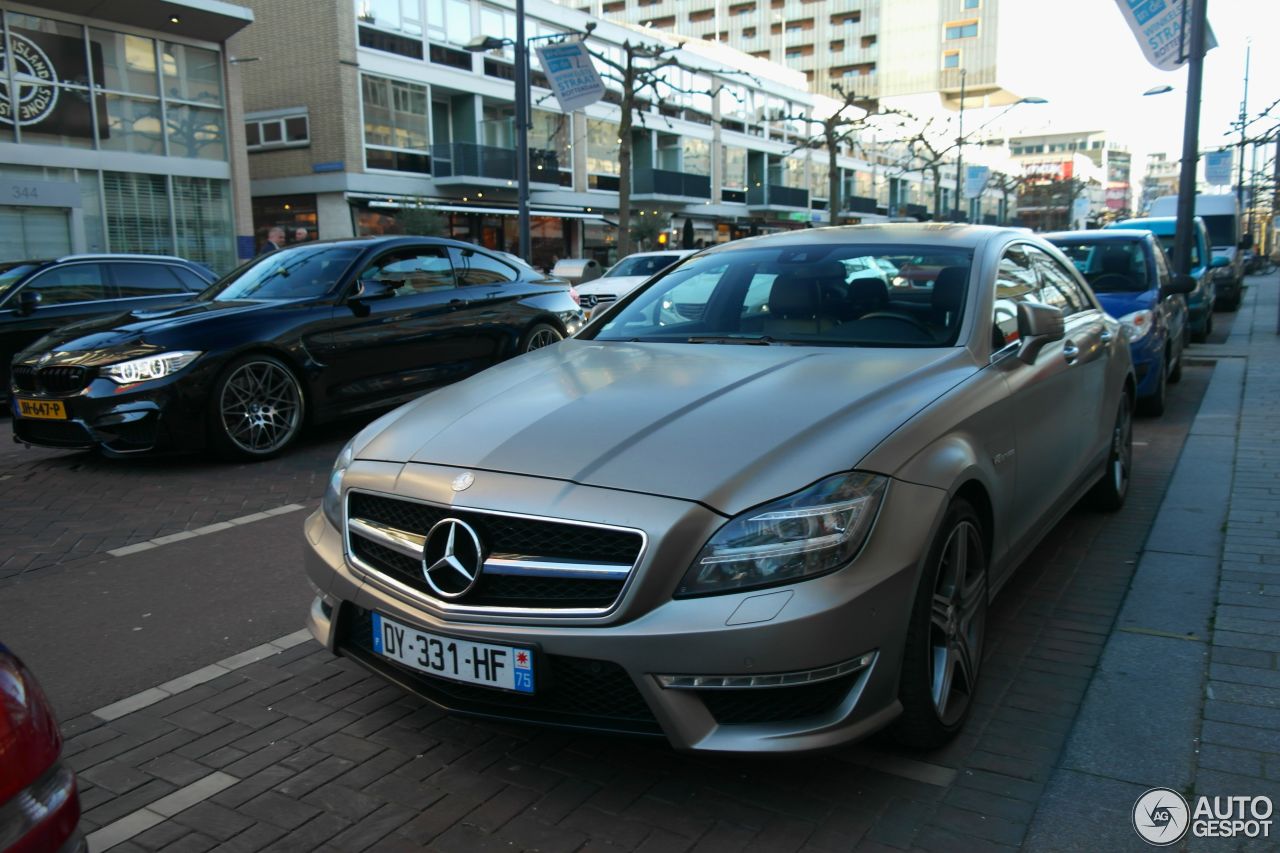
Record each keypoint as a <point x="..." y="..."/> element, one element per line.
<point x="960" y="153"/>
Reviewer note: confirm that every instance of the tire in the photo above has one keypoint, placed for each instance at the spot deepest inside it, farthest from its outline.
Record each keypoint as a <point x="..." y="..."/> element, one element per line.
<point x="257" y="408"/>
<point x="1175" y="375"/>
<point x="537" y="336"/>
<point x="942" y="658"/>
<point x="1153" y="406"/>
<point x="1109" y="493"/>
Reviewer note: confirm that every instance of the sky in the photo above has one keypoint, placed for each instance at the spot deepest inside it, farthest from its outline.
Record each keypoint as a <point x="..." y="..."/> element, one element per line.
<point x="1088" y="64"/>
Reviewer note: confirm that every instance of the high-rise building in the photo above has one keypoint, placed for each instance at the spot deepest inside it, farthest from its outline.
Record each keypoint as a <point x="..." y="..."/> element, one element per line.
<point x="873" y="48"/>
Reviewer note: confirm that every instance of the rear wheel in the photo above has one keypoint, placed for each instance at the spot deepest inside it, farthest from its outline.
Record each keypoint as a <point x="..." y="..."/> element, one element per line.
<point x="539" y="335"/>
<point x="943" y="652"/>
<point x="257" y="408"/>
<point x="1175" y="375"/>
<point x="1108" y="493"/>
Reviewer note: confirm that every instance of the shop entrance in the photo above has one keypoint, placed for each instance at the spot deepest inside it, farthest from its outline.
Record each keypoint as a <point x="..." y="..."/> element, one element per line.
<point x="30" y="233"/>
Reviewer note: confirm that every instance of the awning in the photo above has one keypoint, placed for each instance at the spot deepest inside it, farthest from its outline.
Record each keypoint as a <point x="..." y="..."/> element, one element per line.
<point x="496" y="211"/>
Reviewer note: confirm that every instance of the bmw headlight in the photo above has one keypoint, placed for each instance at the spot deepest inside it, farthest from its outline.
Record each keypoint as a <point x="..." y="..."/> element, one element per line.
<point x="1137" y="325"/>
<point x="149" y="367"/>
<point x="810" y="533"/>
<point x="332" y="501"/>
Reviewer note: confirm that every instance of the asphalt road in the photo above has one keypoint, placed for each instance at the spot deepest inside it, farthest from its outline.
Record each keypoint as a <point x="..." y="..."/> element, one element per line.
<point x="96" y="627"/>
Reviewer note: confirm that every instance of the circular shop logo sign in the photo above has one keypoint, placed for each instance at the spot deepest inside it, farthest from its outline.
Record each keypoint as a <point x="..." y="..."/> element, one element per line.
<point x="33" y="76"/>
<point x="1161" y="817"/>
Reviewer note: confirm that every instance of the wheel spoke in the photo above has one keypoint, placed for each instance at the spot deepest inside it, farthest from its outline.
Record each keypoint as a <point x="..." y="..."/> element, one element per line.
<point x="941" y="612"/>
<point x="943" y="670"/>
<point x="964" y="661"/>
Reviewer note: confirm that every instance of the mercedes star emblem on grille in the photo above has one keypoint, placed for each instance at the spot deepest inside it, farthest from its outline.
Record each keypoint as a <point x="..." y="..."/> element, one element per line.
<point x="452" y="558"/>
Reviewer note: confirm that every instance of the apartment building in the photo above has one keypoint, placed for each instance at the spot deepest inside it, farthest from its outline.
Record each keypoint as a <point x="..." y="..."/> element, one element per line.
<point x="124" y="132"/>
<point x="875" y="49"/>
<point x="1104" y="166"/>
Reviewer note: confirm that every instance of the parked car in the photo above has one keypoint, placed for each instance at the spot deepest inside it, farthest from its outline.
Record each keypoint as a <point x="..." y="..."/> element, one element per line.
<point x="1200" y="301"/>
<point x="622" y="277"/>
<point x="774" y="527"/>
<point x="39" y="804"/>
<point x="1128" y="272"/>
<point x="304" y="334"/>
<point x="37" y="297"/>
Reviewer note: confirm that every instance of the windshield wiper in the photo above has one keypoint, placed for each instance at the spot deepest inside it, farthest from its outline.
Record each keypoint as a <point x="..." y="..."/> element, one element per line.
<point x="748" y="340"/>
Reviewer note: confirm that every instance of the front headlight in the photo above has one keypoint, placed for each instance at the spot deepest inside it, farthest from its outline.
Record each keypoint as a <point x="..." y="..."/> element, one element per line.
<point x="810" y="533"/>
<point x="149" y="367"/>
<point x="332" y="501"/>
<point x="1138" y="324"/>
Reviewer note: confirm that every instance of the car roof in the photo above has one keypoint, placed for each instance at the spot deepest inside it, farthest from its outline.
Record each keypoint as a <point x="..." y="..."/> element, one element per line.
<point x="659" y="253"/>
<point x="385" y="240"/>
<point x="1118" y="235"/>
<point x="941" y="234"/>
<point x="116" y="256"/>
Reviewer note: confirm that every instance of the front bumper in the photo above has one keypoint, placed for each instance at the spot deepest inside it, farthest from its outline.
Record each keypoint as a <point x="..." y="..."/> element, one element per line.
<point x="167" y="413"/>
<point x="602" y="672"/>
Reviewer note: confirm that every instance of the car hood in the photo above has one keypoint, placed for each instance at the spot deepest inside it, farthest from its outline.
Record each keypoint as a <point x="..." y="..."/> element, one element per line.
<point x="1119" y="304"/>
<point x="728" y="426"/>
<point x="618" y="285"/>
<point x="116" y="331"/>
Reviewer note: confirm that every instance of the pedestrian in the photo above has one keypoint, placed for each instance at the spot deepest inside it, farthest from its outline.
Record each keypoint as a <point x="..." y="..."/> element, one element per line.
<point x="275" y="240"/>
<point x="301" y="234"/>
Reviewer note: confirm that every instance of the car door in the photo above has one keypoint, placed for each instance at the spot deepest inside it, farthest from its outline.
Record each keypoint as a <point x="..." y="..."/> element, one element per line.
<point x="68" y="293"/>
<point x="146" y="285"/>
<point x="1045" y="401"/>
<point x="386" y="349"/>
<point x="492" y="317"/>
<point x="1086" y="339"/>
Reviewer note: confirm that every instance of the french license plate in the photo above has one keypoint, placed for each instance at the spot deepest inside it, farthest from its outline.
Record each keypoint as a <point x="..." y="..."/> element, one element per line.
<point x="502" y="667"/>
<point x="49" y="410"/>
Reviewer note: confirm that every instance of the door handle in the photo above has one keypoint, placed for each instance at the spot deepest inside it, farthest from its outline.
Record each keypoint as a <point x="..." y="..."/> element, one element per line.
<point x="1070" y="352"/>
<point x="1107" y="335"/>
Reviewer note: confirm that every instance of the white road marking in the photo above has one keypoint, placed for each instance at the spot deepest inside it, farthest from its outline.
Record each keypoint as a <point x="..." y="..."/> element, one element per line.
<point x="138" y="547"/>
<point x="157" y="811"/>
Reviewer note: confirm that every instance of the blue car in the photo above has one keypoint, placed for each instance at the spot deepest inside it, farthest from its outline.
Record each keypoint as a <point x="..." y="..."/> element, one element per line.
<point x="1130" y="275"/>
<point x="1199" y="301"/>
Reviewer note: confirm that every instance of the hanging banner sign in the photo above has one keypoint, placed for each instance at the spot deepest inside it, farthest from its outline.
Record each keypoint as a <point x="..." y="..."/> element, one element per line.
<point x="1217" y="168"/>
<point x="1157" y="24"/>
<point x="572" y="75"/>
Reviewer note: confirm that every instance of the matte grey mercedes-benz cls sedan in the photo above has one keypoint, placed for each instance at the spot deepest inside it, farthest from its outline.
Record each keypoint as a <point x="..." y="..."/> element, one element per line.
<point x="758" y="505"/>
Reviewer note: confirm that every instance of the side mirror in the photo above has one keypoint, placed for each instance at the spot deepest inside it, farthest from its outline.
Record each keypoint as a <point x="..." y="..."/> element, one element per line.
<point x="371" y="289"/>
<point x="28" y="301"/>
<point x="1180" y="283"/>
<point x="1038" y="325"/>
<point x="1220" y="261"/>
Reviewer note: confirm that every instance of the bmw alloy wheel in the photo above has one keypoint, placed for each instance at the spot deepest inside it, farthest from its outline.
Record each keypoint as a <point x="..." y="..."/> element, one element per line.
<point x="260" y="404"/>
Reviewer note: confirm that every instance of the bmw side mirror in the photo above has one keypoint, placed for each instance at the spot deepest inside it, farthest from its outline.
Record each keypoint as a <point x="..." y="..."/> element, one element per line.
<point x="1038" y="325"/>
<point x="1180" y="283"/>
<point x="367" y="291"/>
<point x="28" y="301"/>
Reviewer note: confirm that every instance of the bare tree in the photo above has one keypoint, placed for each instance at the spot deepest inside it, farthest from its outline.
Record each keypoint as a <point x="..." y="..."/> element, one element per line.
<point x="925" y="152"/>
<point x="1009" y="187"/>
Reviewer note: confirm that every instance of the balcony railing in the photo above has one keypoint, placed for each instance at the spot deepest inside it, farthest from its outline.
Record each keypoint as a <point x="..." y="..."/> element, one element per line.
<point x="665" y="182"/>
<point x="469" y="160"/>
<point x="774" y="195"/>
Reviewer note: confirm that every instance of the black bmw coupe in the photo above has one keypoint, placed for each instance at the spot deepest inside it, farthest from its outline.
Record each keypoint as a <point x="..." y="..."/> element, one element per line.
<point x="302" y="335"/>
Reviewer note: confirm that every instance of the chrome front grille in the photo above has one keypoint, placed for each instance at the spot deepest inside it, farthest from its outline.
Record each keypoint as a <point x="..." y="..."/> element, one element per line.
<point x="536" y="565"/>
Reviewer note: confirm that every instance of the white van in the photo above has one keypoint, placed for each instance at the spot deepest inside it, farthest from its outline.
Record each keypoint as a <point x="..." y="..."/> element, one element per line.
<point x="1221" y="215"/>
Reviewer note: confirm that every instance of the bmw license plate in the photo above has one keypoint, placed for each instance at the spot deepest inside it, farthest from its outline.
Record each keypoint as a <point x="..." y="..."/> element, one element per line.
<point x="502" y="667"/>
<point x="48" y="410"/>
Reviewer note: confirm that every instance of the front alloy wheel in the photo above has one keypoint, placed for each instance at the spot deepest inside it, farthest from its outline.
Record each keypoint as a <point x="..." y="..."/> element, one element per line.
<point x="1111" y="490"/>
<point x="259" y="408"/>
<point x="541" y="335"/>
<point x="943" y="653"/>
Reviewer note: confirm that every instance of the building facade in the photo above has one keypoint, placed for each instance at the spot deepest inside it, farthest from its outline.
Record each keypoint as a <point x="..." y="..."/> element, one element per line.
<point x="1101" y="168"/>
<point x="376" y="119"/>
<point x="120" y="132"/>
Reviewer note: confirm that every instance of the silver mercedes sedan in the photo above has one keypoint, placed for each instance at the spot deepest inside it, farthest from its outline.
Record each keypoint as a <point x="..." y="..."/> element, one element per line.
<point x="758" y="505"/>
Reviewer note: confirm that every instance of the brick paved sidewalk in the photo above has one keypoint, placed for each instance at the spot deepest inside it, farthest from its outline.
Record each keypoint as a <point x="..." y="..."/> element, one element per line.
<point x="300" y="751"/>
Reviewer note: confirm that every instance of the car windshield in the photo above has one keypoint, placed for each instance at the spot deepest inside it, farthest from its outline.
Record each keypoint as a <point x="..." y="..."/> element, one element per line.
<point x="1111" y="266"/>
<point x="822" y="295"/>
<point x="645" y="265"/>
<point x="303" y="272"/>
<point x="11" y="274"/>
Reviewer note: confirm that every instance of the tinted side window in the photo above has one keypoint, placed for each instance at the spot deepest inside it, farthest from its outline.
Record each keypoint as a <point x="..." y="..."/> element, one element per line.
<point x="1016" y="281"/>
<point x="190" y="280"/>
<point x="411" y="271"/>
<point x="71" y="283"/>
<point x="478" y="268"/>
<point x="1058" y="287"/>
<point x="1162" y="263"/>
<point x="145" y="279"/>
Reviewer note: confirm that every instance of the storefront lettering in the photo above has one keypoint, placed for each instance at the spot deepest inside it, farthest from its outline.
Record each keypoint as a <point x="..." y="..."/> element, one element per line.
<point x="34" y="76"/>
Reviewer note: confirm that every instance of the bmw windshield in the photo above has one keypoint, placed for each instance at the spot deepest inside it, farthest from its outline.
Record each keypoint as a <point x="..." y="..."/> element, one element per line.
<point x="817" y="295"/>
<point x="302" y="272"/>
<point x="12" y="273"/>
